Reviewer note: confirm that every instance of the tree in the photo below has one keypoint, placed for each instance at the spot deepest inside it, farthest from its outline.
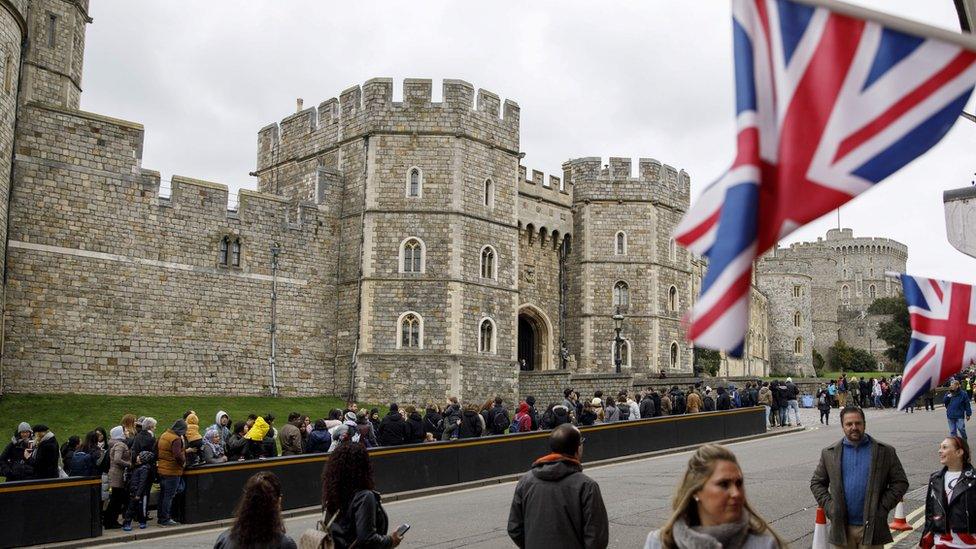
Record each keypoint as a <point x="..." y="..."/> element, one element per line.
<point x="818" y="362"/>
<point x="896" y="332"/>
<point x="707" y="360"/>
<point x="843" y="357"/>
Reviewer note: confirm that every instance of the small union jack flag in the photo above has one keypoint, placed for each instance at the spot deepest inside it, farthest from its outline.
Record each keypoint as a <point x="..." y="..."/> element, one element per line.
<point x="827" y="106"/>
<point x="943" y="318"/>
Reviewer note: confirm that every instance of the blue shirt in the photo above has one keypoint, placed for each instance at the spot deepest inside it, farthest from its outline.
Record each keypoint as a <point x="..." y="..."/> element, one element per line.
<point x="831" y="390"/>
<point x="855" y="464"/>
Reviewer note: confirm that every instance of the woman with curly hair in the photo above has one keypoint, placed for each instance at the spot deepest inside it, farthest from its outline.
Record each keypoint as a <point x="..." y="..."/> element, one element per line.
<point x="347" y="493"/>
<point x="711" y="510"/>
<point x="257" y="519"/>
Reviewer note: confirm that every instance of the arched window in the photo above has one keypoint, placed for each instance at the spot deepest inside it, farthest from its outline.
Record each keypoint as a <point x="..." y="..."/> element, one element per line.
<point x="798" y="346"/>
<point x="624" y="353"/>
<point x="872" y="291"/>
<point x="415" y="182"/>
<point x="412" y="256"/>
<point x="230" y="251"/>
<point x="672" y="250"/>
<point x="410" y="331"/>
<point x="797" y="318"/>
<point x="486" y="336"/>
<point x="235" y="252"/>
<point x="845" y="291"/>
<point x="620" y="243"/>
<point x="621" y="295"/>
<point x="673" y="299"/>
<point x="674" y="354"/>
<point x="224" y="246"/>
<point x="489" y="193"/>
<point x="488" y="269"/>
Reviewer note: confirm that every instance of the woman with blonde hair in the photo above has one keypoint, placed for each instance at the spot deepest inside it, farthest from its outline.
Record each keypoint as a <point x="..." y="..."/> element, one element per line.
<point x="711" y="510"/>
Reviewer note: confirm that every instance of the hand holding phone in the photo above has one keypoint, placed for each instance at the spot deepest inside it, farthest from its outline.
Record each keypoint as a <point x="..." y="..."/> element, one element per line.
<point x="398" y="535"/>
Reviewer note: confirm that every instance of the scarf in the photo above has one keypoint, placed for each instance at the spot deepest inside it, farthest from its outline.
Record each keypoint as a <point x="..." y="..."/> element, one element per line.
<point x="723" y="536"/>
<point x="217" y="449"/>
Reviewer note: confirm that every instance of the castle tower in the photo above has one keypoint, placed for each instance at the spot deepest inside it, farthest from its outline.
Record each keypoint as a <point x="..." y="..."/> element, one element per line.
<point x="788" y="286"/>
<point x="422" y="202"/>
<point x="52" y="65"/>
<point x="623" y="259"/>
<point x="13" y="38"/>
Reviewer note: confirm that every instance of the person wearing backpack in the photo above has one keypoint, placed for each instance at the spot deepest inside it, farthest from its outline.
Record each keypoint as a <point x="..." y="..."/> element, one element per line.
<point x="533" y="414"/>
<point x="86" y="460"/>
<point x="522" y="422"/>
<point x="433" y="422"/>
<point x="823" y="404"/>
<point x="499" y="418"/>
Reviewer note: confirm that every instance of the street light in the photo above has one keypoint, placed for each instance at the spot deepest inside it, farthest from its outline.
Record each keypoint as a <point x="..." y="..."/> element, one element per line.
<point x="618" y="324"/>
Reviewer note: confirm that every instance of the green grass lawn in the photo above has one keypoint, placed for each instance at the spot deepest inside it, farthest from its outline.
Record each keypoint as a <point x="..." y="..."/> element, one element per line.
<point x="859" y="375"/>
<point x="72" y="414"/>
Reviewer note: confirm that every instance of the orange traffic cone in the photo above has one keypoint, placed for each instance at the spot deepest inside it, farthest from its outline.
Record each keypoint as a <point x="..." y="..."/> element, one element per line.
<point x="820" y="530"/>
<point x="900" y="523"/>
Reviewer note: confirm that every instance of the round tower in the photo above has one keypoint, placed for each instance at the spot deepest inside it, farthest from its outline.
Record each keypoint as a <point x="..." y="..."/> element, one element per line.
<point x="13" y="39"/>
<point x="789" y="286"/>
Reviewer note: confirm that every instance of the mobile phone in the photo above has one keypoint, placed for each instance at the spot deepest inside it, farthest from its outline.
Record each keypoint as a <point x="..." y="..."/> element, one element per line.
<point x="402" y="529"/>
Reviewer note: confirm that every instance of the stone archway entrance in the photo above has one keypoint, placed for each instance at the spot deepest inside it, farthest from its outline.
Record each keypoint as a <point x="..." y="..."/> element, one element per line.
<point x="534" y="339"/>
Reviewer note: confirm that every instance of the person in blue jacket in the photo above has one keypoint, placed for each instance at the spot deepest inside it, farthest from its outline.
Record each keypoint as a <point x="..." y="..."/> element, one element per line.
<point x="958" y="410"/>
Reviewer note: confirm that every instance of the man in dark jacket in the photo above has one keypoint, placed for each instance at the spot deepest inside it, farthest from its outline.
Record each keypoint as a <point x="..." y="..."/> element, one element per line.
<point x="145" y="439"/>
<point x="958" y="410"/>
<point x="656" y="397"/>
<point x="44" y="459"/>
<point x="781" y="398"/>
<point x="393" y="429"/>
<point x="496" y="420"/>
<point x="858" y="481"/>
<point x="533" y="415"/>
<point x="236" y="443"/>
<point x="724" y="401"/>
<point x="555" y="504"/>
<point x="647" y="407"/>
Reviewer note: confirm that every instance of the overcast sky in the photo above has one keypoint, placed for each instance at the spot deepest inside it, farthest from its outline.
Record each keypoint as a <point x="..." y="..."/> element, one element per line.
<point x="638" y="79"/>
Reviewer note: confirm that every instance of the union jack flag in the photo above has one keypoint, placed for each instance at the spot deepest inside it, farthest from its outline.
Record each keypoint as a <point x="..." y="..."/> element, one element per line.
<point x="827" y="106"/>
<point x="943" y="318"/>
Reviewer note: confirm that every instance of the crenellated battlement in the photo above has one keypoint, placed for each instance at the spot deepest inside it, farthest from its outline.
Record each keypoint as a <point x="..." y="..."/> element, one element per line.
<point x="594" y="179"/>
<point x="783" y="266"/>
<point x="551" y="188"/>
<point x="213" y="199"/>
<point x="369" y="109"/>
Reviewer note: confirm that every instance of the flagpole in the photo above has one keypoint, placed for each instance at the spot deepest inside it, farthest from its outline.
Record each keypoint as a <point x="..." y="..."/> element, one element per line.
<point x="965" y="41"/>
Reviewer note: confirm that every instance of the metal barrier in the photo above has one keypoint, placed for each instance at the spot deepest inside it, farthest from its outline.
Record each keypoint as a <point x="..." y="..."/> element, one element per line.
<point x="212" y="491"/>
<point x="46" y="511"/>
<point x="33" y="512"/>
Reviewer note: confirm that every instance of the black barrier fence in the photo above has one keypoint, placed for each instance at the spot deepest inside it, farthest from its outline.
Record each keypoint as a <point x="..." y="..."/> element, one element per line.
<point x="212" y="491"/>
<point x="46" y="511"/>
<point x="33" y="512"/>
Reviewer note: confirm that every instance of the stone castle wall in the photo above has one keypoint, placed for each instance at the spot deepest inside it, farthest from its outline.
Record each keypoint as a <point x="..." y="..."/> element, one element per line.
<point x="112" y="288"/>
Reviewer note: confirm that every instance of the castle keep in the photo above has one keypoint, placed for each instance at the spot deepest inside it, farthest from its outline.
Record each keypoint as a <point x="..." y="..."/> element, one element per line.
<point x="416" y="257"/>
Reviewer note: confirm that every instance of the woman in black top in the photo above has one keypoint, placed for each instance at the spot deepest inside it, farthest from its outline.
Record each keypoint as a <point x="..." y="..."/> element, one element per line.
<point x="257" y="519"/>
<point x="347" y="489"/>
<point x="950" y="506"/>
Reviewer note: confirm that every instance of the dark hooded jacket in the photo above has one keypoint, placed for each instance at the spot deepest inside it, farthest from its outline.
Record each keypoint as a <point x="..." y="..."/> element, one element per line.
<point x="141" y="477"/>
<point x="470" y="426"/>
<point x="415" y="433"/>
<point x="561" y="415"/>
<point x="13" y="465"/>
<point x="144" y="441"/>
<point x="44" y="460"/>
<point x="393" y="430"/>
<point x="647" y="407"/>
<point x="724" y="401"/>
<point x="434" y="423"/>
<point x="319" y="439"/>
<point x="556" y="505"/>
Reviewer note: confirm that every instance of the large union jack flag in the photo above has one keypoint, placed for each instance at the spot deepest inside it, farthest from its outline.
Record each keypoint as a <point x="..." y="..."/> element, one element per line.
<point x="827" y="106"/>
<point x="943" y="318"/>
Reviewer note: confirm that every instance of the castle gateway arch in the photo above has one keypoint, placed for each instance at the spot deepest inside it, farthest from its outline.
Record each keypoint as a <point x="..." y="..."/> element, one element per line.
<point x="534" y="339"/>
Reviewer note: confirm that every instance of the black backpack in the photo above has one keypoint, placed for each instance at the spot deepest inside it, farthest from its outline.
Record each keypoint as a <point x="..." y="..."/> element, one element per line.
<point x="499" y="421"/>
<point x="624" y="411"/>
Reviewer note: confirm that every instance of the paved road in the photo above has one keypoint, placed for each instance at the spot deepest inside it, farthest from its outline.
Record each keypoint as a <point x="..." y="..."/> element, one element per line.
<point x="638" y="493"/>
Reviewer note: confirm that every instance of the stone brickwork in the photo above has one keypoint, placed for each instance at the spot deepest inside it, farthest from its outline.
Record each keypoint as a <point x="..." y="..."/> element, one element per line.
<point x="848" y="274"/>
<point x="621" y="234"/>
<point x="787" y="285"/>
<point x="112" y="287"/>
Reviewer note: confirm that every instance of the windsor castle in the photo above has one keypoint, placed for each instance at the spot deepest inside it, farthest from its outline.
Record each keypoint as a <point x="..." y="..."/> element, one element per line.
<point x="399" y="249"/>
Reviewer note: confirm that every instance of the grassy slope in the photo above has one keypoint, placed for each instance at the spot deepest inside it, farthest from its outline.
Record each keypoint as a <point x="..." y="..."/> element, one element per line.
<point x="77" y="414"/>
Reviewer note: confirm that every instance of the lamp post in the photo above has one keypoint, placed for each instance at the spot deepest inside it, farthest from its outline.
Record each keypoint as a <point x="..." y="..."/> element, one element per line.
<point x="618" y="325"/>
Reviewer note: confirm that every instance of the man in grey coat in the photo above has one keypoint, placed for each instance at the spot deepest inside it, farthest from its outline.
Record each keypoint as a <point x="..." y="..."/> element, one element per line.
<point x="555" y="504"/>
<point x="858" y="481"/>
